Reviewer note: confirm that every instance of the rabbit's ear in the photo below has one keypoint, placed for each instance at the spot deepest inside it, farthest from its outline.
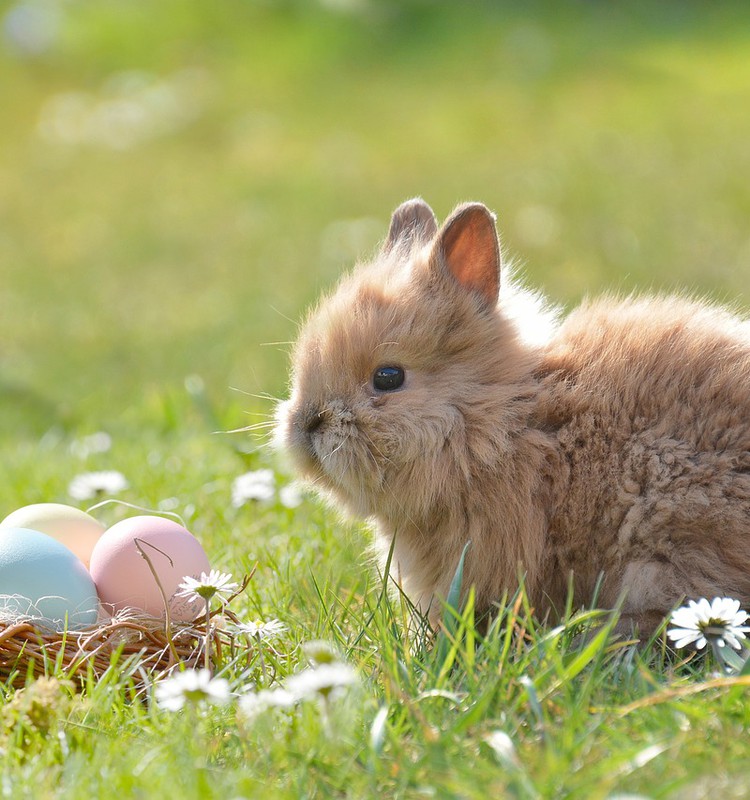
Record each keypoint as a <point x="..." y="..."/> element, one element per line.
<point x="413" y="223"/>
<point x="467" y="246"/>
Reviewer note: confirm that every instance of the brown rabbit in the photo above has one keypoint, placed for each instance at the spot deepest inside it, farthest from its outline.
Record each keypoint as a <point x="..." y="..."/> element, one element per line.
<point x="449" y="405"/>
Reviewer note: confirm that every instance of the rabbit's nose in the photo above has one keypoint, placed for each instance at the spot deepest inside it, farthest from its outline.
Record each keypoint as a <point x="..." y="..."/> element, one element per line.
<point x="312" y="419"/>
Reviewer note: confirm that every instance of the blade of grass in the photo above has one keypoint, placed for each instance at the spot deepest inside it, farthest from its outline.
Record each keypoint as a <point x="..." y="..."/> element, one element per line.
<point x="451" y="616"/>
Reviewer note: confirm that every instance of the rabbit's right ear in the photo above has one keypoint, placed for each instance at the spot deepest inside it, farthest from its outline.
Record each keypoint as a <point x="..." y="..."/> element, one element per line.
<point x="413" y="223"/>
<point x="468" y="249"/>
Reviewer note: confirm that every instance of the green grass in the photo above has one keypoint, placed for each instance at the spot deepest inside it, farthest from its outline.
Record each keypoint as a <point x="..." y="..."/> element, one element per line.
<point x="612" y="142"/>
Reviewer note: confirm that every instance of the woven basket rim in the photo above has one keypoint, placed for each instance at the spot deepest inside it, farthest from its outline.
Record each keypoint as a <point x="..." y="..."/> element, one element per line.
<point x="29" y="647"/>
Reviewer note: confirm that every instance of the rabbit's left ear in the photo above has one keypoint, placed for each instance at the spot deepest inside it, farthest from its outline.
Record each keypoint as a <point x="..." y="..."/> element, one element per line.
<point x="468" y="248"/>
<point x="413" y="223"/>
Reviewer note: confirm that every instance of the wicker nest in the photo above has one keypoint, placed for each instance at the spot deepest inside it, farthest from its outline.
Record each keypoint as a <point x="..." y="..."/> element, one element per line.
<point x="145" y="643"/>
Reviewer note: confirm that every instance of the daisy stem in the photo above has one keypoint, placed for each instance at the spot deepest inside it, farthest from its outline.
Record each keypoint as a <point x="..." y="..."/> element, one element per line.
<point x="117" y="501"/>
<point x="260" y="658"/>
<point x="207" y="658"/>
<point x="717" y="654"/>
<point x="167" y="617"/>
<point x="325" y="714"/>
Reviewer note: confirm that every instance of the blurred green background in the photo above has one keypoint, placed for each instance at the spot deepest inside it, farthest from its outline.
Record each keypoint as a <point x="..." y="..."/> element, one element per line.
<point x="179" y="180"/>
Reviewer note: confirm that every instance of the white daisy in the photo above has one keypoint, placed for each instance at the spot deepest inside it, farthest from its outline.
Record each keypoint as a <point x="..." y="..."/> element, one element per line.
<point x="89" y="485"/>
<point x="290" y="495"/>
<point x="324" y="680"/>
<point x="259" y="629"/>
<point x="257" y="485"/>
<point x="191" y="686"/>
<point x="720" y="621"/>
<point x="253" y="704"/>
<point x="207" y="586"/>
<point x="100" y="442"/>
<point x="320" y="652"/>
<point x="503" y="747"/>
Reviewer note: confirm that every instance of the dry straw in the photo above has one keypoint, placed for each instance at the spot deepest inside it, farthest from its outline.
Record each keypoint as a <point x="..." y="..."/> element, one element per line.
<point x="149" y="644"/>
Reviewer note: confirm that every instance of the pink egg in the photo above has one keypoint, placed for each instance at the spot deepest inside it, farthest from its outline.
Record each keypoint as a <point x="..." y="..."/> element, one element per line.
<point x="123" y="578"/>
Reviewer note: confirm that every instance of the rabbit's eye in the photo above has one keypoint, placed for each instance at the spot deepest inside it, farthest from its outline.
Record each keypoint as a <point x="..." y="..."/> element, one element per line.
<point x="386" y="379"/>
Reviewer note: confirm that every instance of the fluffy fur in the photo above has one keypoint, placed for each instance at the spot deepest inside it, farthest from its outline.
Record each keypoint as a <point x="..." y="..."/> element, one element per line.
<point x="615" y="443"/>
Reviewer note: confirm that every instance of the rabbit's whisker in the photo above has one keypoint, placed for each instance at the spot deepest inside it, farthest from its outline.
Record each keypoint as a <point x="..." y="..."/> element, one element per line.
<point x="334" y="451"/>
<point x="262" y="396"/>
<point x="254" y="427"/>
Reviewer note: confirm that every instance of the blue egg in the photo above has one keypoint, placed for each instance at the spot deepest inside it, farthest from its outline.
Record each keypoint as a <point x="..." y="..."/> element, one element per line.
<point x="42" y="579"/>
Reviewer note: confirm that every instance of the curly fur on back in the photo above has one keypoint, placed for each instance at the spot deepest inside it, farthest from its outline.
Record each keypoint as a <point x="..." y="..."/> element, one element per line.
<point x="614" y="444"/>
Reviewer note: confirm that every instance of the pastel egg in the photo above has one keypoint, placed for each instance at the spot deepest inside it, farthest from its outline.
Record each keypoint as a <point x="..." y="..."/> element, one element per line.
<point x="124" y="579"/>
<point x="76" y="529"/>
<point x="41" y="578"/>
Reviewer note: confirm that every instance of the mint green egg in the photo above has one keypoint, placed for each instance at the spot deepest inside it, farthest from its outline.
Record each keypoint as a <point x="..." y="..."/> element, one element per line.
<point x="42" y="579"/>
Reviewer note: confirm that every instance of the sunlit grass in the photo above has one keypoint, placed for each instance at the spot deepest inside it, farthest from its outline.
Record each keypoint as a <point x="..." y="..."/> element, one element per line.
<point x="518" y="708"/>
